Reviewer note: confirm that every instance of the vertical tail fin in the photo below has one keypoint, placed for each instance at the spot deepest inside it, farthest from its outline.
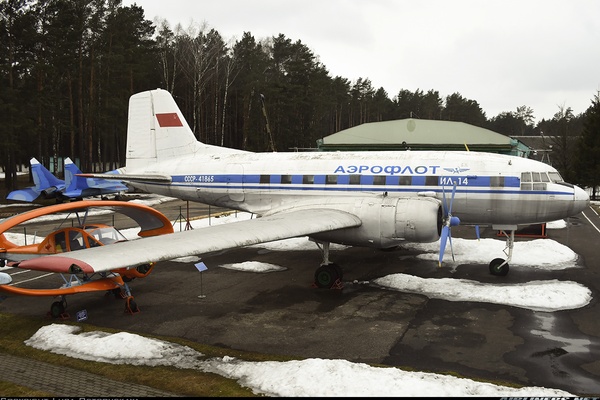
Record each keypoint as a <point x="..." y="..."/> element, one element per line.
<point x="79" y="186"/>
<point x="72" y="181"/>
<point x="45" y="183"/>
<point x="43" y="178"/>
<point x="157" y="131"/>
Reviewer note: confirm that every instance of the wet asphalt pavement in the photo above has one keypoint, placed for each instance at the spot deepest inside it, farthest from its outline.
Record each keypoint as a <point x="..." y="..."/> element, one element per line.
<point x="282" y="313"/>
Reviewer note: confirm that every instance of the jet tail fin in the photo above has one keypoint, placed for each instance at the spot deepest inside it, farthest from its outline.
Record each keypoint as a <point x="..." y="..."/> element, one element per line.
<point x="72" y="181"/>
<point x="157" y="131"/>
<point x="46" y="184"/>
<point x="79" y="184"/>
<point x="43" y="178"/>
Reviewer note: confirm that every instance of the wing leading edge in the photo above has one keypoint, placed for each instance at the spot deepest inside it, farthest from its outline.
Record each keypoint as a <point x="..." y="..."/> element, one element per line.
<point x="132" y="253"/>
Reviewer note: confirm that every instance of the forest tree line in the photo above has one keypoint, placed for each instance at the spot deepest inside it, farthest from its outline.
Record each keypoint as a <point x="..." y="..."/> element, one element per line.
<point x="68" y="68"/>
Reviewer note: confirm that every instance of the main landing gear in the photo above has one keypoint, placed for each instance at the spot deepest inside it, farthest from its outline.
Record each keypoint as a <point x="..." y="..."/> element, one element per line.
<point x="328" y="275"/>
<point x="57" y="309"/>
<point x="131" y="306"/>
<point x="498" y="266"/>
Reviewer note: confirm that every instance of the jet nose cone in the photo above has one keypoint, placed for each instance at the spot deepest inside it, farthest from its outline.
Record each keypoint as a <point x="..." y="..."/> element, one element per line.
<point x="582" y="199"/>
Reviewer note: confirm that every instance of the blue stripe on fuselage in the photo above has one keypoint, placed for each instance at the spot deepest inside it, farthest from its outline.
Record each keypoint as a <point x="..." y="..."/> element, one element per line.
<point x="402" y="180"/>
<point x="351" y="183"/>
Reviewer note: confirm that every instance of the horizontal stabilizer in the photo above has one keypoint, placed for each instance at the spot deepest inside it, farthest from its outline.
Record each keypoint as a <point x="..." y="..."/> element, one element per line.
<point x="130" y="177"/>
<point x="28" y="194"/>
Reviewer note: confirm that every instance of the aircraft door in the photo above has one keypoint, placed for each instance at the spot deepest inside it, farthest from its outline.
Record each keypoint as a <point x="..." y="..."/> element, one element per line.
<point x="235" y="181"/>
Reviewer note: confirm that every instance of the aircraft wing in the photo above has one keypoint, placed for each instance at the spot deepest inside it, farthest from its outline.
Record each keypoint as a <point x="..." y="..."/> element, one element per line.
<point x="200" y="241"/>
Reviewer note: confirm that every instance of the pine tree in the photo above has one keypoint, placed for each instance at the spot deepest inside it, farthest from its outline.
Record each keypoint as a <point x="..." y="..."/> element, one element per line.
<point x="587" y="164"/>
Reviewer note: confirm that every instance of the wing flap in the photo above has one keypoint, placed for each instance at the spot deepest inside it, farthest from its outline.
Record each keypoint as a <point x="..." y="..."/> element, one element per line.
<point x="200" y="241"/>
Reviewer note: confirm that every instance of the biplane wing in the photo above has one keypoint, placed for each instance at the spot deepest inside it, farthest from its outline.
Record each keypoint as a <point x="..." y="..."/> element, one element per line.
<point x="52" y="254"/>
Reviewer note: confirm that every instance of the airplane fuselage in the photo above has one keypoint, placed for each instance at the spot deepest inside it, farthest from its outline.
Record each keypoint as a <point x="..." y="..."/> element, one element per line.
<point x="490" y="189"/>
<point x="375" y="199"/>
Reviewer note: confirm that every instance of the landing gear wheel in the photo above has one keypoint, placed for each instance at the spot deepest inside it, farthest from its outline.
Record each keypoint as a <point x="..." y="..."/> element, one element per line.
<point x="497" y="269"/>
<point x="131" y="306"/>
<point x="327" y="275"/>
<point x="338" y="270"/>
<point x="57" y="309"/>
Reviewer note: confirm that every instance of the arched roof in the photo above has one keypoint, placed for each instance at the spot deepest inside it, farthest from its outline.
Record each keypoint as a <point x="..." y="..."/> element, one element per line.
<point x="418" y="134"/>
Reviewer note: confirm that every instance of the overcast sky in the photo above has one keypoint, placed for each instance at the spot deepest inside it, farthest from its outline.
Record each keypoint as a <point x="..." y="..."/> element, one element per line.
<point x="503" y="54"/>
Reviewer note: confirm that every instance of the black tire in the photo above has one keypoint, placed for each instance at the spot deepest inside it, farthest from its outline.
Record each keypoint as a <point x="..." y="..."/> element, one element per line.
<point x="131" y="306"/>
<point x="326" y="276"/>
<point x="57" y="309"/>
<point x="496" y="268"/>
<point x="339" y="271"/>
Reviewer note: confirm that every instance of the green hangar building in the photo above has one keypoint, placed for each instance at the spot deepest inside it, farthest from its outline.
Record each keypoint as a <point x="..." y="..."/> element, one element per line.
<point x="422" y="134"/>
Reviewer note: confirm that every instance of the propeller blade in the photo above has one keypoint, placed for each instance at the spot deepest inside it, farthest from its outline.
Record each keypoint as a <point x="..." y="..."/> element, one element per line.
<point x="449" y="221"/>
<point x="443" y="240"/>
<point x="452" y="199"/>
<point x="444" y="202"/>
<point x="448" y="210"/>
<point x="450" y="240"/>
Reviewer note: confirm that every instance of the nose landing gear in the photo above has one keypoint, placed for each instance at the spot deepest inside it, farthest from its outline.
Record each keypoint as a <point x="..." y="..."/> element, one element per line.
<point x="498" y="266"/>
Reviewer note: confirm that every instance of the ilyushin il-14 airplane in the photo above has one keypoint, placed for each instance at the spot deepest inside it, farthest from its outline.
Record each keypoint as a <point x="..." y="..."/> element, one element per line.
<point x="375" y="199"/>
<point x="48" y="186"/>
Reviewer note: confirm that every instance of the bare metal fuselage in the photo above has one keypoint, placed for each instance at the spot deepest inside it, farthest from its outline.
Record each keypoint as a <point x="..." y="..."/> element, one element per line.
<point x="485" y="189"/>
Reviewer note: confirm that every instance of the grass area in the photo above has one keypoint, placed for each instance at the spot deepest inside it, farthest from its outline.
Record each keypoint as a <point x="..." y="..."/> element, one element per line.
<point x="14" y="330"/>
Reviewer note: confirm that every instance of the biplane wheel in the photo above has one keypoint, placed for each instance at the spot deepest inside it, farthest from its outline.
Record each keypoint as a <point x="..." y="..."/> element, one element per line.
<point x="497" y="269"/>
<point x="131" y="306"/>
<point x="57" y="309"/>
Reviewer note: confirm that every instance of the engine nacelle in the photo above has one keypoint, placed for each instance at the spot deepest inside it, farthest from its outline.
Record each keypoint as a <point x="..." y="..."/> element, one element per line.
<point x="387" y="221"/>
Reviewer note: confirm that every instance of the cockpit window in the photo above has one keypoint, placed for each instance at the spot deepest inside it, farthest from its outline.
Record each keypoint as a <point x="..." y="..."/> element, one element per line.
<point x="107" y="235"/>
<point x="534" y="180"/>
<point x="555" y="177"/>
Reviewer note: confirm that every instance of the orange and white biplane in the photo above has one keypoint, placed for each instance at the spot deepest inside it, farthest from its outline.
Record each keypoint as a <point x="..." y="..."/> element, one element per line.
<point x="77" y="277"/>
